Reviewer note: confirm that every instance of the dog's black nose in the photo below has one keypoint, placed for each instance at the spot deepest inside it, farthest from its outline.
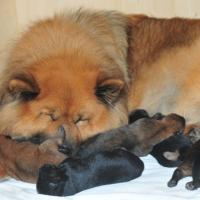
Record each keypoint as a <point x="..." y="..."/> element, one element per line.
<point x="62" y="133"/>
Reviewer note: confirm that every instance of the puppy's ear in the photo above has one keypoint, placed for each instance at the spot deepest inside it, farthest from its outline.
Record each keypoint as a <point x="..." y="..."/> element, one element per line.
<point x="21" y="86"/>
<point x="108" y="91"/>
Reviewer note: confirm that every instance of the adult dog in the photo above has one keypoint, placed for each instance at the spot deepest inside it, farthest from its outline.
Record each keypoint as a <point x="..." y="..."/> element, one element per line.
<point x="89" y="69"/>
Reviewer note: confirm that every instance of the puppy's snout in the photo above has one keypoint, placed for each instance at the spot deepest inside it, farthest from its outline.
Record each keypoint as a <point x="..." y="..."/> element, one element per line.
<point x="176" y="121"/>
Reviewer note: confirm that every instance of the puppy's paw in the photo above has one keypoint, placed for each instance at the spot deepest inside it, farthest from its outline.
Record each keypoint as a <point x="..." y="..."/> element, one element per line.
<point x="173" y="156"/>
<point x="194" y="134"/>
<point x="190" y="186"/>
<point x="172" y="183"/>
<point x="193" y="185"/>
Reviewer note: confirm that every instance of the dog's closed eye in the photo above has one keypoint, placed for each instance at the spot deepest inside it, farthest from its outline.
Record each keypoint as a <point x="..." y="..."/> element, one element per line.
<point x="80" y="119"/>
<point x="23" y="87"/>
<point x="109" y="90"/>
<point x="27" y="95"/>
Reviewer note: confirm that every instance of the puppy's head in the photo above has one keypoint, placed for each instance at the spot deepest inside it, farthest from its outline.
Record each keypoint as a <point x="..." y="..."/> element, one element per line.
<point x="52" y="181"/>
<point x="68" y="70"/>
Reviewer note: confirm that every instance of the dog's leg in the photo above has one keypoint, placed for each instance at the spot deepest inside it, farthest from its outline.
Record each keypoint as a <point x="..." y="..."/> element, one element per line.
<point x="195" y="183"/>
<point x="181" y="172"/>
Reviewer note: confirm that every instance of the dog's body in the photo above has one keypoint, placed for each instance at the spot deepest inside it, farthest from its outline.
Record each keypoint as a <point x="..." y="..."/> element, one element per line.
<point x="74" y="175"/>
<point x="165" y="67"/>
<point x="89" y="70"/>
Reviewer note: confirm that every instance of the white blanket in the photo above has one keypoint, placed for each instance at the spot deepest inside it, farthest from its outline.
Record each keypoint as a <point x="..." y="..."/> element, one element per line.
<point x="152" y="185"/>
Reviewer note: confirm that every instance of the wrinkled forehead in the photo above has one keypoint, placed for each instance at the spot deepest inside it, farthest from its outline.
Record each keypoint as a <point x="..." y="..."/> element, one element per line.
<point x="63" y="74"/>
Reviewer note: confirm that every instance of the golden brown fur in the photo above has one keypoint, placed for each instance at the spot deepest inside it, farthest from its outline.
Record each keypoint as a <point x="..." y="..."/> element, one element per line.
<point x="88" y="70"/>
<point x="23" y="160"/>
<point x="65" y="75"/>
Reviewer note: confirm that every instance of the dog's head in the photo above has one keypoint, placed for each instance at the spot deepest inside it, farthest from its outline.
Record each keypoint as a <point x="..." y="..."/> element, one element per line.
<point x="67" y="70"/>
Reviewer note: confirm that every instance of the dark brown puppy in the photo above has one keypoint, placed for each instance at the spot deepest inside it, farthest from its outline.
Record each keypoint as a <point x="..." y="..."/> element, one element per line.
<point x="189" y="167"/>
<point x="169" y="152"/>
<point x="138" y="137"/>
<point x="22" y="160"/>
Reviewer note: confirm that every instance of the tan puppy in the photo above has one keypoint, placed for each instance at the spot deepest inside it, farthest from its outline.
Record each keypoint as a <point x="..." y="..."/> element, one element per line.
<point x="89" y="69"/>
<point x="23" y="160"/>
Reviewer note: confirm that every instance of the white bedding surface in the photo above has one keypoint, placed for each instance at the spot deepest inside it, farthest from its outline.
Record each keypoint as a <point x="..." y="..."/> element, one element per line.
<point x="151" y="185"/>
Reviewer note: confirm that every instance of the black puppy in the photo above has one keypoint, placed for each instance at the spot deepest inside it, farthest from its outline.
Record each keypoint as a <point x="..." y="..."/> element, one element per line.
<point x="74" y="175"/>
<point x="171" y="152"/>
<point x="189" y="167"/>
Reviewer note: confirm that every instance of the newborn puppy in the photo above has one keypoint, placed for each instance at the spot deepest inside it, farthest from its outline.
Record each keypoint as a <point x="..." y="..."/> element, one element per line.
<point x="189" y="167"/>
<point x="22" y="160"/>
<point x="74" y="175"/>
<point x="170" y="152"/>
<point x="138" y="137"/>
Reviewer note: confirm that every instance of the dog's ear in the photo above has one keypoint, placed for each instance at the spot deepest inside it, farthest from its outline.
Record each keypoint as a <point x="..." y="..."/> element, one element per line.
<point x="136" y="19"/>
<point x="21" y="86"/>
<point x="108" y="91"/>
